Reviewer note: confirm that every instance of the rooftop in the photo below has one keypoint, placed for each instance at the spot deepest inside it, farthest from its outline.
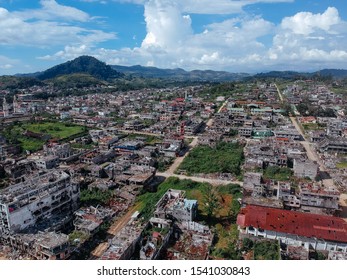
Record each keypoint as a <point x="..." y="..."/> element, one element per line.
<point x="291" y="222"/>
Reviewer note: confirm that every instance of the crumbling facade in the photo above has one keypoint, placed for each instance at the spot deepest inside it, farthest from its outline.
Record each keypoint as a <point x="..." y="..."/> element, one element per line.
<point x="38" y="198"/>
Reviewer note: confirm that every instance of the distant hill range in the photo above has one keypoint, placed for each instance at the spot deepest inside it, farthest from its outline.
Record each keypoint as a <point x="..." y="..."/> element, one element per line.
<point x="179" y="74"/>
<point x="334" y="73"/>
<point x="95" y="70"/>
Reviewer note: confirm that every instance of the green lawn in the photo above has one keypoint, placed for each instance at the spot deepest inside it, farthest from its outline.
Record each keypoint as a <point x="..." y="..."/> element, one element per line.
<point x="30" y="144"/>
<point x="55" y="129"/>
<point x="313" y="126"/>
<point x="341" y="165"/>
<point x="278" y="173"/>
<point x="225" y="158"/>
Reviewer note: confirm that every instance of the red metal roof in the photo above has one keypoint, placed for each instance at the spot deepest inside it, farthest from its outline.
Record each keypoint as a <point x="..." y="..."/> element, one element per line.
<point x="291" y="222"/>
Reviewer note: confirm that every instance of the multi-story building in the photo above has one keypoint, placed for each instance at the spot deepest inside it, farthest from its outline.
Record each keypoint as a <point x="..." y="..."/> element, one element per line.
<point x="318" y="232"/>
<point x="38" y="198"/>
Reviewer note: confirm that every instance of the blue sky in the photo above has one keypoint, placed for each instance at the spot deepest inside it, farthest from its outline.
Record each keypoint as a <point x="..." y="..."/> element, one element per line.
<point x="232" y="35"/>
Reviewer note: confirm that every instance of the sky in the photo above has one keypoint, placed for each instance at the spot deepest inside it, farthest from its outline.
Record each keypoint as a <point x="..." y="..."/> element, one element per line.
<point x="231" y="35"/>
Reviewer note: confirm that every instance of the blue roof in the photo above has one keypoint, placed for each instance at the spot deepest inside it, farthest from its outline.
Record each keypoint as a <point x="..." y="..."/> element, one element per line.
<point x="190" y="203"/>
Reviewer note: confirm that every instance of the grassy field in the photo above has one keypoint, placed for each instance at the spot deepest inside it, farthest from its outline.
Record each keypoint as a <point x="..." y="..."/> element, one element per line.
<point x="278" y="173"/>
<point x="312" y="126"/>
<point x="225" y="158"/>
<point x="30" y="144"/>
<point x="55" y="129"/>
<point x="341" y="165"/>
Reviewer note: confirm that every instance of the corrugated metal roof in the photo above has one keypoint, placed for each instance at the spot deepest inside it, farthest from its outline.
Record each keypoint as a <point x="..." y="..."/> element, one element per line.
<point x="291" y="222"/>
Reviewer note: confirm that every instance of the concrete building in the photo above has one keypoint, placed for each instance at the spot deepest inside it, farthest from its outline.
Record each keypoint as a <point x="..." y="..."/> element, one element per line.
<point x="42" y="245"/>
<point x="305" y="168"/>
<point x="48" y="162"/>
<point x="311" y="231"/>
<point x="333" y="144"/>
<point x="36" y="199"/>
<point x="173" y="205"/>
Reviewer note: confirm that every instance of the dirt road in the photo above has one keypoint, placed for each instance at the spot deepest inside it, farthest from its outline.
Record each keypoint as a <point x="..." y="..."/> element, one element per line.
<point x="113" y="230"/>
<point x="214" y="182"/>
<point x="179" y="160"/>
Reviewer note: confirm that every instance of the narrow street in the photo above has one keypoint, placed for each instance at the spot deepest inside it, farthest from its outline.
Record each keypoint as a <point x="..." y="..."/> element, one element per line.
<point x="310" y="151"/>
<point x="179" y="160"/>
<point x="113" y="230"/>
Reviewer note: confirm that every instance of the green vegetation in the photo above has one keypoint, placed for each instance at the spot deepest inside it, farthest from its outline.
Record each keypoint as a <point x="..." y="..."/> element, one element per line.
<point x="54" y="129"/>
<point x="226" y="246"/>
<point x="58" y="130"/>
<point x="278" y="173"/>
<point x="78" y="80"/>
<point x="221" y="217"/>
<point x="30" y="144"/>
<point x="227" y="89"/>
<point x="94" y="197"/>
<point x="225" y="158"/>
<point x="84" y="146"/>
<point x="247" y="244"/>
<point x="148" y="139"/>
<point x="312" y="126"/>
<point x="342" y="164"/>
<point x="223" y="197"/>
<point x="82" y="64"/>
<point x="77" y="237"/>
<point x="13" y="82"/>
<point x="266" y="250"/>
<point x="164" y="164"/>
<point x="306" y="108"/>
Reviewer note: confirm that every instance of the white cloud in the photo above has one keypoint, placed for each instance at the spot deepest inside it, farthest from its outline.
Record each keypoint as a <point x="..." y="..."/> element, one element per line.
<point x="51" y="10"/>
<point x="310" y="40"/>
<point x="208" y="6"/>
<point x="306" y="23"/>
<point x="6" y="66"/>
<point x="239" y="43"/>
<point x="37" y="28"/>
<point x="7" y="63"/>
<point x="166" y="26"/>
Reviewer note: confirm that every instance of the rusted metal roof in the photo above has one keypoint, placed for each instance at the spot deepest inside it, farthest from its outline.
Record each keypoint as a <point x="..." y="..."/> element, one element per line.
<point x="291" y="222"/>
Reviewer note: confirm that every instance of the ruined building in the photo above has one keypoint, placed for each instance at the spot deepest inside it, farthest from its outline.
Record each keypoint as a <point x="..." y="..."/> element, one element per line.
<point x="37" y="200"/>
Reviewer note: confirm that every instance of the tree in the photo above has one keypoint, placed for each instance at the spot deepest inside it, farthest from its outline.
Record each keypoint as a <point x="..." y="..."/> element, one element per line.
<point x="210" y="200"/>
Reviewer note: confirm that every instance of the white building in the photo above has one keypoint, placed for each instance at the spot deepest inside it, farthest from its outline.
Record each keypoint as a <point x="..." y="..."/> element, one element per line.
<point x="318" y="232"/>
<point x="38" y="198"/>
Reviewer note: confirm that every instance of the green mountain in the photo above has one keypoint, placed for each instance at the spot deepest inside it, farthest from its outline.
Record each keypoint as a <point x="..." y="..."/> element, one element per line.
<point x="81" y="65"/>
<point x="14" y="82"/>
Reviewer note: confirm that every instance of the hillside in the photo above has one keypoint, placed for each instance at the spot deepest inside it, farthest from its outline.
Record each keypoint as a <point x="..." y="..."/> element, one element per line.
<point x="83" y="64"/>
<point x="179" y="74"/>
<point x="13" y="82"/>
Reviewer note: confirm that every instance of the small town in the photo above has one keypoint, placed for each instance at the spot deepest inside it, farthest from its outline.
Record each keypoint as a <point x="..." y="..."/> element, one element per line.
<point x="248" y="170"/>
